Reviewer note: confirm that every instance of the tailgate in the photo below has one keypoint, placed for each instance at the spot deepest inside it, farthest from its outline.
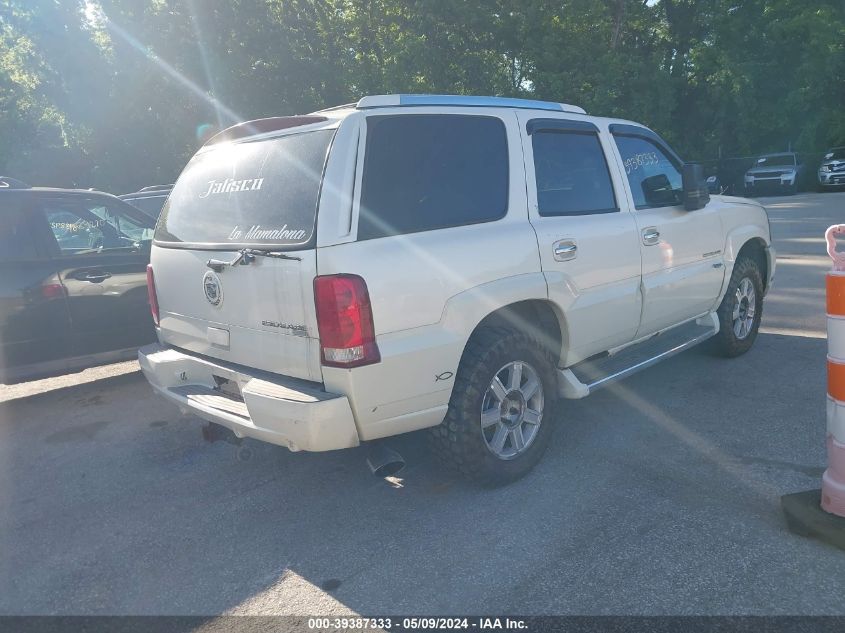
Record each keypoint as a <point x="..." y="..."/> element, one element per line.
<point x="258" y="315"/>
<point x="249" y="193"/>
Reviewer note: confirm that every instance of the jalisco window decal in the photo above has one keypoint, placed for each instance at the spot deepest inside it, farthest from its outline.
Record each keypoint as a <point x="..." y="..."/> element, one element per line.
<point x="230" y="186"/>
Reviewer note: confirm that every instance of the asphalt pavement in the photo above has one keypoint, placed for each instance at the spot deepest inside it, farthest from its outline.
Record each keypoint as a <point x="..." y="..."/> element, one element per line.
<point x="658" y="496"/>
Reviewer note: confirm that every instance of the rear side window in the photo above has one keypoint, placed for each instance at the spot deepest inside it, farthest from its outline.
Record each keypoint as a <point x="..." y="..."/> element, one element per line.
<point x="249" y="193"/>
<point x="572" y="174"/>
<point x="424" y="172"/>
<point x="16" y="243"/>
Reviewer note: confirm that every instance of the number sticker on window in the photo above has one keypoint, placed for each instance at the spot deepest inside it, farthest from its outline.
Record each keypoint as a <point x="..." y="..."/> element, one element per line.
<point x="641" y="160"/>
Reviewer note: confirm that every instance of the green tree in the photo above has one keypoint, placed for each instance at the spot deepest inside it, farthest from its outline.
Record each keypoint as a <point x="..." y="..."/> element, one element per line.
<point x="118" y="94"/>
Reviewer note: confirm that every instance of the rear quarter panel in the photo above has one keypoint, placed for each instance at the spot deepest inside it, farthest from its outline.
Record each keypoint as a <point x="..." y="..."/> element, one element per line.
<point x="428" y="292"/>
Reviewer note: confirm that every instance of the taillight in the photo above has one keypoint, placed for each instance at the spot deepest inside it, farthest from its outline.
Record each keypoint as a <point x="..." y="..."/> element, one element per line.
<point x="345" y="321"/>
<point x="53" y="291"/>
<point x="151" y="293"/>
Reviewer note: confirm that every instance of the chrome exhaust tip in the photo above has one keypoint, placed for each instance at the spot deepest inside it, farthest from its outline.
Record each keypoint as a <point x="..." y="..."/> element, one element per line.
<point x="212" y="432"/>
<point x="383" y="461"/>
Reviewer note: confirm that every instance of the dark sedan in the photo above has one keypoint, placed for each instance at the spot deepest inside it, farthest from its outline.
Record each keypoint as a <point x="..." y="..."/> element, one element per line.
<point x="72" y="280"/>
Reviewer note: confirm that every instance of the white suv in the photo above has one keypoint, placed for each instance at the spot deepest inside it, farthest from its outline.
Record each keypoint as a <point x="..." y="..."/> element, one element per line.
<point x="452" y="263"/>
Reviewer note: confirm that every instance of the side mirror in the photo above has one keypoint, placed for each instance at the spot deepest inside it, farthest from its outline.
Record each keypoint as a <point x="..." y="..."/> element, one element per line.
<point x="696" y="194"/>
<point x="658" y="191"/>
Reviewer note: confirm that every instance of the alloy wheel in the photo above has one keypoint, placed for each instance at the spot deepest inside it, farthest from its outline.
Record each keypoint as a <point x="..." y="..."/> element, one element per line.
<point x="512" y="410"/>
<point x="744" y="309"/>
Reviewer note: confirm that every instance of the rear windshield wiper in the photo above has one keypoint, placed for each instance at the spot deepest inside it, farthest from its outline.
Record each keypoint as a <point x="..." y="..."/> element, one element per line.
<point x="247" y="256"/>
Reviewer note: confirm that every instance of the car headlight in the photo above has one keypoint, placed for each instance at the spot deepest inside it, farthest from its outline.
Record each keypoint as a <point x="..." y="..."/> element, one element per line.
<point x="825" y="168"/>
<point x="788" y="175"/>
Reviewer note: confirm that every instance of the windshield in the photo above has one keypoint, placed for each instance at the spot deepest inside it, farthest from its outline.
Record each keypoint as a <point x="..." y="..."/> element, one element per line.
<point x="835" y="154"/>
<point x="250" y="193"/>
<point x="776" y="160"/>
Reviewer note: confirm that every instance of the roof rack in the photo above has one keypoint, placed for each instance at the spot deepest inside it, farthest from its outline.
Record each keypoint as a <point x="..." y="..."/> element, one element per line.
<point x="12" y="183"/>
<point x="386" y="101"/>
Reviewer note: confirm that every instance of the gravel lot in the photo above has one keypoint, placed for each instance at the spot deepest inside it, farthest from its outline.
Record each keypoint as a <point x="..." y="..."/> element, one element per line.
<point x="658" y="496"/>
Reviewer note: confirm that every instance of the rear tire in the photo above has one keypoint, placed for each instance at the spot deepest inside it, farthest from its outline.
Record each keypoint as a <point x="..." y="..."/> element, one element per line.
<point x="741" y="309"/>
<point x="496" y="433"/>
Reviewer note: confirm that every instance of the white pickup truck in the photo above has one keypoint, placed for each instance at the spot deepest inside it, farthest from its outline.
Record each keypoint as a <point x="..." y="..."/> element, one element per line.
<point x="461" y="264"/>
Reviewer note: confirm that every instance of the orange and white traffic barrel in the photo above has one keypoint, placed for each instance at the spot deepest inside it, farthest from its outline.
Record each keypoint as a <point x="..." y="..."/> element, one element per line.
<point x="833" y="480"/>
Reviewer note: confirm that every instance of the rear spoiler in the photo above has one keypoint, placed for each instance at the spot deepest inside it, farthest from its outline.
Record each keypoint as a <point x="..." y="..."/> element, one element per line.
<point x="262" y="126"/>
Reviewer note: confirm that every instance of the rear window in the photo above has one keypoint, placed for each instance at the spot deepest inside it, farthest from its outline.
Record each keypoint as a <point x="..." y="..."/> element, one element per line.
<point x="424" y="172"/>
<point x="250" y="193"/>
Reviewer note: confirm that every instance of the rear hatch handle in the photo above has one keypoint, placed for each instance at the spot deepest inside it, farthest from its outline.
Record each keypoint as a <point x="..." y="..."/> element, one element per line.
<point x="247" y="256"/>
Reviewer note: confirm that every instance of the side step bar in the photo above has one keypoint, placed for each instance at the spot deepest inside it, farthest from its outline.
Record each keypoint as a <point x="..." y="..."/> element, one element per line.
<point x="585" y="377"/>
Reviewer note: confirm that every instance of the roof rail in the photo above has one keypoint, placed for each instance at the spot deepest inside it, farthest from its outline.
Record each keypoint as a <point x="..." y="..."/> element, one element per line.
<point x="12" y="183"/>
<point x="386" y="101"/>
<point x="155" y="188"/>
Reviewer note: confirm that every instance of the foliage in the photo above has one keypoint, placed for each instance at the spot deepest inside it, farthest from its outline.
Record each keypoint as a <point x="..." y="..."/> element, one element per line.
<point x="117" y="94"/>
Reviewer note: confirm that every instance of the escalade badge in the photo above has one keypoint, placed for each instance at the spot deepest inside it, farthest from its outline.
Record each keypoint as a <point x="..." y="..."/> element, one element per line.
<point x="212" y="288"/>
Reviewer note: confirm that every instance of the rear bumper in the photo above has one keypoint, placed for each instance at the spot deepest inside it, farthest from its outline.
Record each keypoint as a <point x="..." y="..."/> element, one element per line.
<point x="275" y="409"/>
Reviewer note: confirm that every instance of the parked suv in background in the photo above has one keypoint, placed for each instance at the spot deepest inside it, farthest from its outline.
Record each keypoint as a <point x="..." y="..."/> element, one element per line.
<point x="72" y="280"/>
<point x="452" y="263"/>
<point x="832" y="169"/>
<point x="775" y="174"/>
<point x="149" y="199"/>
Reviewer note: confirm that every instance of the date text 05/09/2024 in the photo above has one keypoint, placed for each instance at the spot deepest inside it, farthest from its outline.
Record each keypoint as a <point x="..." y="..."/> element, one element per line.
<point x="415" y="623"/>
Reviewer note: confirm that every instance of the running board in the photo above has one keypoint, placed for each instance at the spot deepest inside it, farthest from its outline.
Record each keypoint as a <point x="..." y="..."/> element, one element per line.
<point x="584" y="378"/>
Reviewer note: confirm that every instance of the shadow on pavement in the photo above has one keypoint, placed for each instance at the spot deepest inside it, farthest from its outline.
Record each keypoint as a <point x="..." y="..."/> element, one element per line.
<point x="659" y="498"/>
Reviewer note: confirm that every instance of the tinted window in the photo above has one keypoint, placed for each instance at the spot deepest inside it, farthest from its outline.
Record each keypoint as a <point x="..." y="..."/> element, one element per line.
<point x="16" y="243"/>
<point x="256" y="192"/>
<point x="571" y="173"/>
<point x="424" y="172"/>
<point x="654" y="177"/>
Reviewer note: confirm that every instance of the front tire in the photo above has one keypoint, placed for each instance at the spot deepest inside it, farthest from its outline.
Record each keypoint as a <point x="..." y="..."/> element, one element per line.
<point x="500" y="416"/>
<point x="741" y="309"/>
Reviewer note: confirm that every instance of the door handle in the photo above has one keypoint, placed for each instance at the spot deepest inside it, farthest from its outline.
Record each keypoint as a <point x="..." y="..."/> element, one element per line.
<point x="651" y="236"/>
<point x="95" y="278"/>
<point x="565" y="249"/>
